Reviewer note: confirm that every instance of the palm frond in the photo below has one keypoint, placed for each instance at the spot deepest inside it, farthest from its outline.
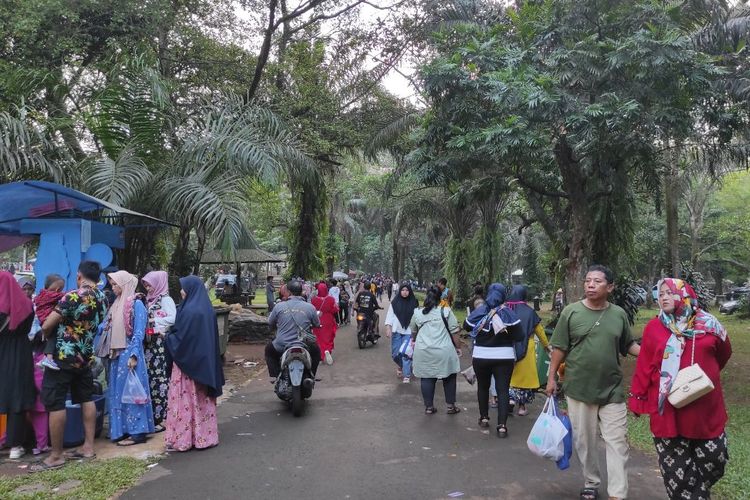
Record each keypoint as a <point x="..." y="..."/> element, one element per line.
<point x="246" y="139"/>
<point x="26" y="152"/>
<point x="392" y="132"/>
<point x="117" y="180"/>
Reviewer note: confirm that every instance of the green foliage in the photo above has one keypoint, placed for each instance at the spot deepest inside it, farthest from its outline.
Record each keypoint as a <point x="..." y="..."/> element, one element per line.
<point x="533" y="276"/>
<point x="100" y="480"/>
<point x="574" y="100"/>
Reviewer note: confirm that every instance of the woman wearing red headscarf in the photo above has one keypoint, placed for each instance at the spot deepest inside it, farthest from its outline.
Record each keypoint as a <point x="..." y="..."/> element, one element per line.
<point x="17" y="389"/>
<point x="690" y="441"/>
<point x="327" y="309"/>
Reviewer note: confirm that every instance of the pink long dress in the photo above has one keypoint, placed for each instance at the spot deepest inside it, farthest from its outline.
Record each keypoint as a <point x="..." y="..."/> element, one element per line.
<point x="191" y="414"/>
<point x="327" y="309"/>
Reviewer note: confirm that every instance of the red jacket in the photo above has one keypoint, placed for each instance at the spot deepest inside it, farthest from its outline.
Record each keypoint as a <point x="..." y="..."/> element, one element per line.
<point x="704" y="418"/>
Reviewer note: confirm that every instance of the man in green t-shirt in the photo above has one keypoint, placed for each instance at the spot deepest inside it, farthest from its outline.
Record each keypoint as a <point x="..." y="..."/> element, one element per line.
<point x="590" y="337"/>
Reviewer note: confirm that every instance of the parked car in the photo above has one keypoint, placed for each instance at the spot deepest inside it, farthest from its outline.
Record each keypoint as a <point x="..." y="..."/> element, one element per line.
<point x="221" y="279"/>
<point x="641" y="295"/>
<point x="735" y="299"/>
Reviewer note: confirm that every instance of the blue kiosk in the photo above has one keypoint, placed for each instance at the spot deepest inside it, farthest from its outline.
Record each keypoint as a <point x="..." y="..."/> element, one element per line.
<point x="71" y="226"/>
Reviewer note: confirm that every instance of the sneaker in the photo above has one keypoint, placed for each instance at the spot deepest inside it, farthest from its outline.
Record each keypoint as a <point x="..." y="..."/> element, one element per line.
<point x="48" y="363"/>
<point x="406" y="380"/>
<point x="17" y="452"/>
<point x="329" y="358"/>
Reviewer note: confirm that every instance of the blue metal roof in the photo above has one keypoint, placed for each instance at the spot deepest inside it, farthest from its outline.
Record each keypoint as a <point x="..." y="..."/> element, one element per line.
<point x="35" y="199"/>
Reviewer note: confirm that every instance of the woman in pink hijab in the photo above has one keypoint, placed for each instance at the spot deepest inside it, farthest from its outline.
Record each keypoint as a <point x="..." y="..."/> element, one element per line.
<point x="327" y="309"/>
<point x="161" y="315"/>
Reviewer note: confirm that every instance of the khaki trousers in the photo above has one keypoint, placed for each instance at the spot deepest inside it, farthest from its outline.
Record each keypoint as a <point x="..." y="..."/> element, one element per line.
<point x="611" y="420"/>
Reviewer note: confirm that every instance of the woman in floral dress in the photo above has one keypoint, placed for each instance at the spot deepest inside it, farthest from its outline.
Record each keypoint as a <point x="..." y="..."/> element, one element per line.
<point x="197" y="375"/>
<point x="128" y="422"/>
<point x="161" y="316"/>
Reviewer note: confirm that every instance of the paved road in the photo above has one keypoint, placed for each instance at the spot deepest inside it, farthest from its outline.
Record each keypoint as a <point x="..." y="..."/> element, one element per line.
<point x="364" y="436"/>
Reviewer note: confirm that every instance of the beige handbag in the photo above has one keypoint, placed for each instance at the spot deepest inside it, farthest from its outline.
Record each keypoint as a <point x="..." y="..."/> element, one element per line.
<point x="690" y="384"/>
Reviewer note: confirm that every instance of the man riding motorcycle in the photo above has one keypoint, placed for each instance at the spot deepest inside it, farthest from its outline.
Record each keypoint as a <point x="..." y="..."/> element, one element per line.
<point x="291" y="318"/>
<point x="366" y="303"/>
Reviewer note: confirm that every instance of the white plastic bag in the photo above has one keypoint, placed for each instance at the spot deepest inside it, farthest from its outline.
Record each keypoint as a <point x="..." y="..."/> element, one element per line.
<point x="546" y="437"/>
<point x="409" y="352"/>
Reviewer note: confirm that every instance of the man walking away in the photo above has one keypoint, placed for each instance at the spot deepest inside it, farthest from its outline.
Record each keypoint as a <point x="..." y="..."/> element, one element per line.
<point x="585" y="334"/>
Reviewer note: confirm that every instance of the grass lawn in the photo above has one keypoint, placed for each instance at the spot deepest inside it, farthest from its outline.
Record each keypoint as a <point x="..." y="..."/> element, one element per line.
<point x="97" y="480"/>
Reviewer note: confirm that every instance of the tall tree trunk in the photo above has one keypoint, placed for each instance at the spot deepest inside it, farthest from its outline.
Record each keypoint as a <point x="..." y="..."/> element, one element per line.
<point x="395" y="256"/>
<point x="580" y="223"/>
<point x="201" y="246"/>
<point x="672" y="193"/>
<point x="180" y="264"/>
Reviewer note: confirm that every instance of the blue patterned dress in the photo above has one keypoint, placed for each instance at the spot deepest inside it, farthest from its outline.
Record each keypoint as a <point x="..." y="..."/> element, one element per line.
<point x="130" y="419"/>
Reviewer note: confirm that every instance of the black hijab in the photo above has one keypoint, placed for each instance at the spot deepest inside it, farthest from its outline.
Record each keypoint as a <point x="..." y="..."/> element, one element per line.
<point x="403" y="308"/>
<point x="193" y="340"/>
<point x="517" y="302"/>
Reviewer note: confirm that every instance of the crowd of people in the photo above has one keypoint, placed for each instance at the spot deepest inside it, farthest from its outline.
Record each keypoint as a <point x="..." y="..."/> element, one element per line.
<point x="589" y="339"/>
<point x="160" y="363"/>
<point x="50" y="342"/>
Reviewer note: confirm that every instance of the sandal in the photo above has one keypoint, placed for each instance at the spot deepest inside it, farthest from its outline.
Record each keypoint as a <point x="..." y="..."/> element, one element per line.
<point x="452" y="410"/>
<point x="589" y="494"/>
<point x="130" y="442"/>
<point x="430" y="410"/>
<point x="159" y="428"/>
<point x="502" y="431"/>
<point x="484" y="422"/>
<point x="42" y="466"/>
<point x="78" y="455"/>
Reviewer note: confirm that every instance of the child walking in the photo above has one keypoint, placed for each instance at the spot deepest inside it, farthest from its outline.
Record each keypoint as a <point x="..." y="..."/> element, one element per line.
<point x="44" y="304"/>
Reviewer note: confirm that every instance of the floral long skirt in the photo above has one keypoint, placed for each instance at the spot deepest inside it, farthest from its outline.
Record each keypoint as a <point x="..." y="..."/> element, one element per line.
<point x="191" y="414"/>
<point x="155" y="352"/>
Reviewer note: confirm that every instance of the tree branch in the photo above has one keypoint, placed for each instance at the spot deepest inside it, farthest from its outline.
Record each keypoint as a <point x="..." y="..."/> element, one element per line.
<point x="540" y="190"/>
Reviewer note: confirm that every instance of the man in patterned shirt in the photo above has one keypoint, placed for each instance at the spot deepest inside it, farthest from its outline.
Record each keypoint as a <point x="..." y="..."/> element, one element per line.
<point x="75" y="321"/>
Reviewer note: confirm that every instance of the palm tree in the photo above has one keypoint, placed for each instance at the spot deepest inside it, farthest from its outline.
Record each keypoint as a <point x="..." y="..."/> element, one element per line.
<point x="27" y="151"/>
<point x="188" y="169"/>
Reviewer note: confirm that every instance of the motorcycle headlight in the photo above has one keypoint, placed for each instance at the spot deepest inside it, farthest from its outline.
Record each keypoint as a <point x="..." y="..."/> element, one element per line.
<point x="360" y="317"/>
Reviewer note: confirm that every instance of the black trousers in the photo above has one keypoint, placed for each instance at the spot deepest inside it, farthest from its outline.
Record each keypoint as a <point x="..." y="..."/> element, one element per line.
<point x="502" y="370"/>
<point x="343" y="312"/>
<point x="273" y="359"/>
<point x="428" y="390"/>
<point x="691" y="466"/>
<point x="17" y="432"/>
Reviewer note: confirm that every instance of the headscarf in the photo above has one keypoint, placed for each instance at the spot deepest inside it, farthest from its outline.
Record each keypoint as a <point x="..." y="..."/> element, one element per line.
<point x="529" y="318"/>
<point x="687" y="320"/>
<point x="193" y="341"/>
<point x="403" y="308"/>
<point x="14" y="302"/>
<point x="120" y="325"/>
<point x="159" y="283"/>
<point x="322" y="290"/>
<point x="481" y="317"/>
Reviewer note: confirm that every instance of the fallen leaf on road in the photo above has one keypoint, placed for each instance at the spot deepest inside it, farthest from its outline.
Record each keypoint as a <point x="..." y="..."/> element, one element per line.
<point x="426" y="448"/>
<point x="456" y="494"/>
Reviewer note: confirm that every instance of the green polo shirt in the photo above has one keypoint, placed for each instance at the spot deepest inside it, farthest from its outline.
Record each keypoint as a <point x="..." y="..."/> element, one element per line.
<point x="592" y="367"/>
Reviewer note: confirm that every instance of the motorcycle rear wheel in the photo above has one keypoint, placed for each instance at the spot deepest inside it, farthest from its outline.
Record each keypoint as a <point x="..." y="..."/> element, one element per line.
<point x="297" y="401"/>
